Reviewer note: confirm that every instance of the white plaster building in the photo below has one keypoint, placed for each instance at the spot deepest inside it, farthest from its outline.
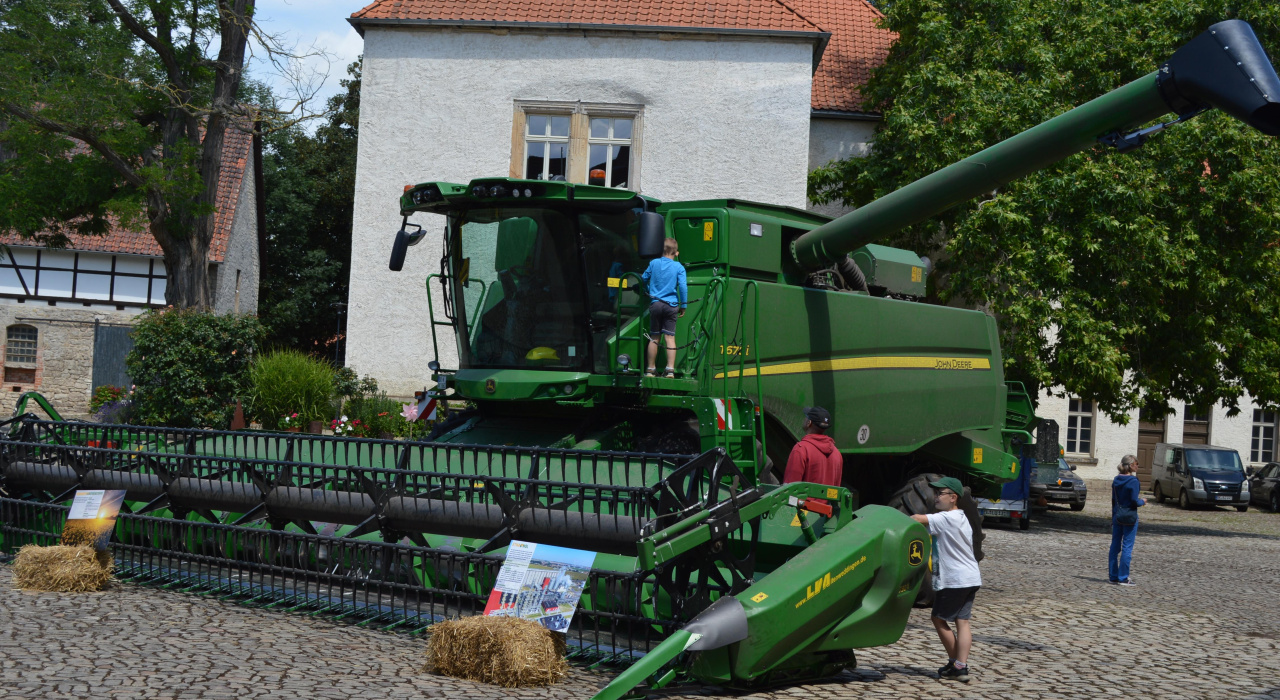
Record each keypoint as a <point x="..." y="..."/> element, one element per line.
<point x="67" y="312"/>
<point x="1095" y="444"/>
<point x="729" y="98"/>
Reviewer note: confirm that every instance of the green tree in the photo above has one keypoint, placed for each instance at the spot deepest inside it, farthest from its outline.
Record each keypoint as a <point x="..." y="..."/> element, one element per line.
<point x="1133" y="279"/>
<point x="310" y="194"/>
<point x="118" y="109"/>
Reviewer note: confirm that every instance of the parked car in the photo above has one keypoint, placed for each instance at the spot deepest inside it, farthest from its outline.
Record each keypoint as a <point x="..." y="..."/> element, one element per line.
<point x="1199" y="475"/>
<point x="1264" y="486"/>
<point x="1063" y="487"/>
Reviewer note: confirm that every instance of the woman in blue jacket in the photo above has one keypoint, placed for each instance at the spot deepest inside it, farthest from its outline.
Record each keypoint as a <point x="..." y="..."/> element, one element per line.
<point x="1124" y="520"/>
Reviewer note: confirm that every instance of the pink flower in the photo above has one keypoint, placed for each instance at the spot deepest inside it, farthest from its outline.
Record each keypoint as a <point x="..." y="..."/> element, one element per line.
<point x="410" y="412"/>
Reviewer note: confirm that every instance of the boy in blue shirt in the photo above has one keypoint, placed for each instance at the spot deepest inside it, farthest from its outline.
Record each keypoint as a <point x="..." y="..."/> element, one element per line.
<point x="670" y="295"/>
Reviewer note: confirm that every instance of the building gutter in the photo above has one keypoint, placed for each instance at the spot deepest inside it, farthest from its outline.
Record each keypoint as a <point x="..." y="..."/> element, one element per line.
<point x="820" y="39"/>
<point x="850" y="116"/>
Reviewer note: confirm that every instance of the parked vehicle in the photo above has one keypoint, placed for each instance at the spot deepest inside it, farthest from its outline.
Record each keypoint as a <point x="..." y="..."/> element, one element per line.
<point x="1199" y="475"/>
<point x="1264" y="486"/>
<point x="1059" y="485"/>
<point x="1014" y="503"/>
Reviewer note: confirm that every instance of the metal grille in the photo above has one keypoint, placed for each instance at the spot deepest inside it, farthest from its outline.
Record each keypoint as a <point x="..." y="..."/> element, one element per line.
<point x="387" y="584"/>
<point x="20" y="344"/>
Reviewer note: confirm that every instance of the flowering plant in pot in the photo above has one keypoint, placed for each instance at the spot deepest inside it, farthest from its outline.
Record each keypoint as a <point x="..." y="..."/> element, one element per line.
<point x="349" y="428"/>
<point x="291" y="422"/>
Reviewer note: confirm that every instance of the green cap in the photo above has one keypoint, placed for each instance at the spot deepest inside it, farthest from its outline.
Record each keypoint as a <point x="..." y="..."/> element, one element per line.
<point x="949" y="482"/>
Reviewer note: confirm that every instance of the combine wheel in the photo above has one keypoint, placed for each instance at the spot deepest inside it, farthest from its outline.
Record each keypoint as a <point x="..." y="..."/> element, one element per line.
<point x="916" y="497"/>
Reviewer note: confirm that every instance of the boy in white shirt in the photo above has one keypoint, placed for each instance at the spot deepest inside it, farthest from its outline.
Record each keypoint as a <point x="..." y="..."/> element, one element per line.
<point x="956" y="578"/>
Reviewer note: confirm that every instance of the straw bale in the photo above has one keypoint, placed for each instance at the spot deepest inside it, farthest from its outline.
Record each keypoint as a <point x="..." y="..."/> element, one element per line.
<point x="505" y="651"/>
<point x="61" y="569"/>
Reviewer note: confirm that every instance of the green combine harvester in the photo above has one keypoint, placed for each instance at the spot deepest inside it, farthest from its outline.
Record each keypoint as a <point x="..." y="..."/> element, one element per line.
<point x="706" y="562"/>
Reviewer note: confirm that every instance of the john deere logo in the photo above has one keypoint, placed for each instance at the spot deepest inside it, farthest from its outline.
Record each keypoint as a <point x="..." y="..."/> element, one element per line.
<point x="490" y="386"/>
<point x="915" y="554"/>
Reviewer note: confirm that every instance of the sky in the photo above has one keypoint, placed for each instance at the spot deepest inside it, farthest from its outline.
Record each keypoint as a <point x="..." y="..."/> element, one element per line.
<point x="308" y="24"/>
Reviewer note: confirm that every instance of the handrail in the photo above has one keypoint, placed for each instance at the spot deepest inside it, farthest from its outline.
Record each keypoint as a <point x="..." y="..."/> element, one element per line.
<point x="431" y="311"/>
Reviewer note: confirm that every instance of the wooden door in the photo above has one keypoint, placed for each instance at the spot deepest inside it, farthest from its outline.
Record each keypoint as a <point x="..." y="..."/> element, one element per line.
<point x="1150" y="433"/>
<point x="1195" y="427"/>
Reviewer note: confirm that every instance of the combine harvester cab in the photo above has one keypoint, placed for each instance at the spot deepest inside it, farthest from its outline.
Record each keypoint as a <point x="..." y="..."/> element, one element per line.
<point x="704" y="562"/>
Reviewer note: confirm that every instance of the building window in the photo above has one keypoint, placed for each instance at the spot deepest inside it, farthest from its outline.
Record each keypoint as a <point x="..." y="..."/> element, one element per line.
<point x="1080" y="426"/>
<point x="610" y="152"/>
<point x="20" y="344"/>
<point x="20" y="349"/>
<point x="1262" y="448"/>
<point x="546" y="147"/>
<point x="584" y="143"/>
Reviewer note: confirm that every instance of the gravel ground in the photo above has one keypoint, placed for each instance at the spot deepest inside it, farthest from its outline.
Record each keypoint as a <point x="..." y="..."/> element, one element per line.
<point x="1202" y="623"/>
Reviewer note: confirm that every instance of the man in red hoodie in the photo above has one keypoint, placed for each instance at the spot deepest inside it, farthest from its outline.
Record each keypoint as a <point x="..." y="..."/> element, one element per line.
<point x="815" y="458"/>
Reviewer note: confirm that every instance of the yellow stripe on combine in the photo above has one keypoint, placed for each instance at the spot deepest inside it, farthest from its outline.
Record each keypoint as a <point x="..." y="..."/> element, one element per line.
<point x="852" y="363"/>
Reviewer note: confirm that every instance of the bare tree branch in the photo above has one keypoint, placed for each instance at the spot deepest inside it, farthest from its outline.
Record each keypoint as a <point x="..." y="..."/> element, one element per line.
<point x="165" y="52"/>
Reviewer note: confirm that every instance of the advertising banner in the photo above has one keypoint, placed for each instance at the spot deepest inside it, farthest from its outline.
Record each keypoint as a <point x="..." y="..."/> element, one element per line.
<point x="542" y="583"/>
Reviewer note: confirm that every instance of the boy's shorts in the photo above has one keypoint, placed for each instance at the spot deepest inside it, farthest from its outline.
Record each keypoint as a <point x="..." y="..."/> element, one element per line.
<point x="662" y="318"/>
<point x="953" y="604"/>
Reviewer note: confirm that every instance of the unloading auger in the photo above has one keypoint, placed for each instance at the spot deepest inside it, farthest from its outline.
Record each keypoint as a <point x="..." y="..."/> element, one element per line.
<point x="705" y="561"/>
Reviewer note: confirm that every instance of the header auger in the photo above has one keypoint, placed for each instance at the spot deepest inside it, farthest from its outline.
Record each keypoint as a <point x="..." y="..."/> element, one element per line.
<point x="673" y="481"/>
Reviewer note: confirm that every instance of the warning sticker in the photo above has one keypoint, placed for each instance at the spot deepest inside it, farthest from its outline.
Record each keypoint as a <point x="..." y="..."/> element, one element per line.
<point x="708" y="230"/>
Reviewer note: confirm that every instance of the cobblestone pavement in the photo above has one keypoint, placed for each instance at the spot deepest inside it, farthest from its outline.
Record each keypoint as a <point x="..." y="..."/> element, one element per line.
<point x="1202" y="623"/>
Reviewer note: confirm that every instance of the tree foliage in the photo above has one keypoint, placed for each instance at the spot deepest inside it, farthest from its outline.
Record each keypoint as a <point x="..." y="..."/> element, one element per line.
<point x="310" y="194"/>
<point x="118" y="110"/>
<point x="1132" y="279"/>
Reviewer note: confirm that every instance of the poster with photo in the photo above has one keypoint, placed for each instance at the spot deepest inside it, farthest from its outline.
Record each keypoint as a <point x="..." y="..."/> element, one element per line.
<point x="93" y="518"/>
<point x="542" y="583"/>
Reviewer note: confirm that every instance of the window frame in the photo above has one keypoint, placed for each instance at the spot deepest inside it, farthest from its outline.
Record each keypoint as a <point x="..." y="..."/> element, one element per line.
<point x="580" y="115"/>
<point x="1256" y="451"/>
<point x="9" y="341"/>
<point x="1092" y="415"/>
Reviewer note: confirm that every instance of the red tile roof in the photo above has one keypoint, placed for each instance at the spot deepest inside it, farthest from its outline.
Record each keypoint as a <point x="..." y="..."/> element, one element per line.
<point x="857" y="44"/>
<point x="774" y="15"/>
<point x="237" y="153"/>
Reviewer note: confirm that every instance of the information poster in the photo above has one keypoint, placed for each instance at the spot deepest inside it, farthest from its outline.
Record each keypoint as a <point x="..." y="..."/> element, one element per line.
<point x="542" y="583"/>
<point x="92" y="518"/>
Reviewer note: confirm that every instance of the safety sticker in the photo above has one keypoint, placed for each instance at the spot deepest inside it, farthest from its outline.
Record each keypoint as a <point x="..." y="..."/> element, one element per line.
<point x="615" y="282"/>
<point x="759" y="597"/>
<point x="832" y="493"/>
<point x="915" y="274"/>
<point x="977" y="455"/>
<point x="708" y="229"/>
<point x="724" y="413"/>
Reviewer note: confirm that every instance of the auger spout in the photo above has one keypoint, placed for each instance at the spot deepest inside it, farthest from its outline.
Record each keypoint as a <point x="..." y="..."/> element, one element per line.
<point x="1225" y="67"/>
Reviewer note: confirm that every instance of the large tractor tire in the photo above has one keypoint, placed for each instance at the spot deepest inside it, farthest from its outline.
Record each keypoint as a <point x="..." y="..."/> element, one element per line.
<point x="916" y="498"/>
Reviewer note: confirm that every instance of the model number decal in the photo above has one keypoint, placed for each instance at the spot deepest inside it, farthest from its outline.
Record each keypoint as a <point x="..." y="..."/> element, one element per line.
<point x="825" y="582"/>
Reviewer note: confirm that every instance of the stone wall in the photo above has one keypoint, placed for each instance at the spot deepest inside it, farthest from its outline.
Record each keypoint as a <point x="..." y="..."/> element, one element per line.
<point x="64" y="352"/>
<point x="235" y="279"/>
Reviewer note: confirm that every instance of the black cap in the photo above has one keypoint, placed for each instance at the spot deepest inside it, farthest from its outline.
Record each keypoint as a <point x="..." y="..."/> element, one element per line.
<point x="819" y="416"/>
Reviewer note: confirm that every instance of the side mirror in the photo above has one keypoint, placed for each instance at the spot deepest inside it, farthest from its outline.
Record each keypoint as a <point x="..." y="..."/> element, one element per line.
<point x="1072" y="467"/>
<point x="404" y="239"/>
<point x="1250" y="471"/>
<point x="652" y="235"/>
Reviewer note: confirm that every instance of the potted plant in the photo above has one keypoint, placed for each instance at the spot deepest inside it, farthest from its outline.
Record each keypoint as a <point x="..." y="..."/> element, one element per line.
<point x="291" y="423"/>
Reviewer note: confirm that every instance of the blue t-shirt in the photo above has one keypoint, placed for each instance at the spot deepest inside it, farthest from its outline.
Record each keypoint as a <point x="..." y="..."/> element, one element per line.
<point x="667" y="282"/>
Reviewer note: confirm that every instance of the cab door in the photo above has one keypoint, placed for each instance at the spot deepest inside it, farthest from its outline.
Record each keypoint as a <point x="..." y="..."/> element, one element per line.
<point x="1177" y="474"/>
